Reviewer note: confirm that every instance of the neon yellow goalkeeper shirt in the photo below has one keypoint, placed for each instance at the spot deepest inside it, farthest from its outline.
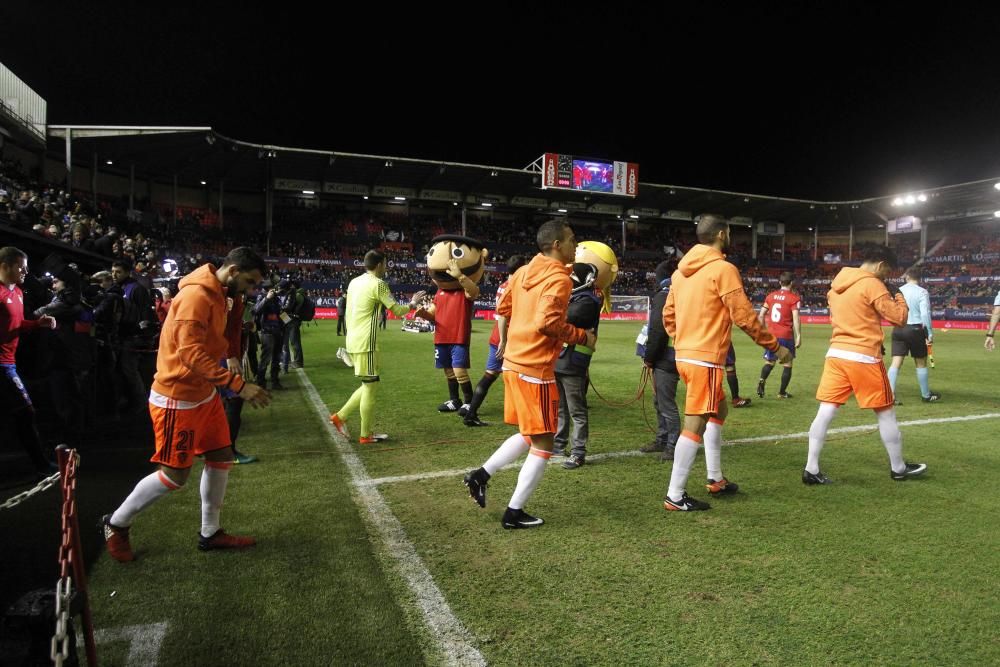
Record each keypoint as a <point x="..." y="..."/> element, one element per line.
<point x="366" y="294"/>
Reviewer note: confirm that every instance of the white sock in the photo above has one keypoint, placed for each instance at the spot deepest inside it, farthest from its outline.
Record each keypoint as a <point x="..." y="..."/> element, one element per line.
<point x="149" y="489"/>
<point x="713" y="450"/>
<point x="214" y="479"/>
<point x="684" y="453"/>
<point x="507" y="453"/>
<point x="893" y="374"/>
<point x="817" y="434"/>
<point x="891" y="438"/>
<point x="529" y="477"/>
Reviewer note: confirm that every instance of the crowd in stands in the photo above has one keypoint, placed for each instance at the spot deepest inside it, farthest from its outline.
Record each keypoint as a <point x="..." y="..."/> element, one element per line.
<point x="336" y="234"/>
<point x="108" y="358"/>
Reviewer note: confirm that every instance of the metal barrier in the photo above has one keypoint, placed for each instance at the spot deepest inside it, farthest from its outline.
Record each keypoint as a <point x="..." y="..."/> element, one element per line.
<point x="71" y="556"/>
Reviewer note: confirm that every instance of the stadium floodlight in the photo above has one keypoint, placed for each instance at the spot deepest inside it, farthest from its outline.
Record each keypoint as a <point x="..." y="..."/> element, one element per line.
<point x="898" y="201"/>
<point x="109" y="162"/>
<point x="996" y="214"/>
<point x="454" y="203"/>
<point x="910" y="199"/>
<point x="308" y="192"/>
<point x="204" y="183"/>
<point x="997" y="186"/>
<point x="400" y="198"/>
<point x="561" y="210"/>
<point x="364" y="197"/>
<point x="922" y="197"/>
<point x="634" y="217"/>
<point x="486" y="203"/>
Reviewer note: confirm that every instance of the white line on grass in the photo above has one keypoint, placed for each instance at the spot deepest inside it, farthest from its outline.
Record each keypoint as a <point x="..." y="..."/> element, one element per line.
<point x="454" y="640"/>
<point x="737" y="441"/>
<point x="510" y="466"/>
<point x="144" y="642"/>
<point x="863" y="427"/>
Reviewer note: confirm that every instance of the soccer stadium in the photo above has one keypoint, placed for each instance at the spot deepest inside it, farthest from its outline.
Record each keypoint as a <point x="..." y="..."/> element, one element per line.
<point x="348" y="536"/>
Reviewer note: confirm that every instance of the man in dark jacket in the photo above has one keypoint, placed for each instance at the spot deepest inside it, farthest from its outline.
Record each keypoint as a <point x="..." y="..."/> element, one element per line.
<point x="341" y="313"/>
<point x="268" y="312"/>
<point x="291" y="304"/>
<point x="72" y="349"/>
<point x="136" y="330"/>
<point x="660" y="358"/>
<point x="573" y="367"/>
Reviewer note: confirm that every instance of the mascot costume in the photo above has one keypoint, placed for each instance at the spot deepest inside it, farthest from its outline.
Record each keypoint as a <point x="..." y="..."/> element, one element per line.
<point x="455" y="264"/>
<point x="594" y="270"/>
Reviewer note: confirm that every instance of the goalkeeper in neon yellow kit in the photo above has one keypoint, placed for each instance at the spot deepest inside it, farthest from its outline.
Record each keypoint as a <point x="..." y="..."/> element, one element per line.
<point x="366" y="294"/>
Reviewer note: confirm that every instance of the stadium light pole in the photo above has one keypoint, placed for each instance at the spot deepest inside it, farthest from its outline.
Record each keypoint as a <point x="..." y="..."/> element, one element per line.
<point x="268" y="203"/>
<point x="93" y="180"/>
<point x="69" y="160"/>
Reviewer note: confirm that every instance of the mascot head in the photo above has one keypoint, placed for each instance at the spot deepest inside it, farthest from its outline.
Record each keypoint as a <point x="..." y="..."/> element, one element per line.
<point x="468" y="253"/>
<point x="602" y="257"/>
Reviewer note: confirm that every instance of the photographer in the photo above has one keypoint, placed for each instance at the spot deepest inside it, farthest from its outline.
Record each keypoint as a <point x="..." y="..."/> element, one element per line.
<point x="70" y="378"/>
<point x="291" y="304"/>
<point x="268" y="312"/>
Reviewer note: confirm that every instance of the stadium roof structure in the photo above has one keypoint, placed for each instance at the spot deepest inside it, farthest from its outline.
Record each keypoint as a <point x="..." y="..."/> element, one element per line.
<point x="195" y="154"/>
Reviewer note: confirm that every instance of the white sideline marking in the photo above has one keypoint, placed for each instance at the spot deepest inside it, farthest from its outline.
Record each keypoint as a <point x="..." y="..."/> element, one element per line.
<point x="510" y="466"/>
<point x="144" y="642"/>
<point x="453" y="639"/>
<point x="635" y="452"/>
<point x="852" y="429"/>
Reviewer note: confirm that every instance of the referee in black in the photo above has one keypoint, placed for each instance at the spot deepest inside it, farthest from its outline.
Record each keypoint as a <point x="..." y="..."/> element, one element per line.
<point x="914" y="338"/>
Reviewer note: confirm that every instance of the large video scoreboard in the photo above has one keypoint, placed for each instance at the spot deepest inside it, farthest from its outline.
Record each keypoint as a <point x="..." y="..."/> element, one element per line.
<point x="567" y="172"/>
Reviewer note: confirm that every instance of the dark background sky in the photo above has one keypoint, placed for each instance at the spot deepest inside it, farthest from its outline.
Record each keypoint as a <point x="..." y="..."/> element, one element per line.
<point x="829" y="101"/>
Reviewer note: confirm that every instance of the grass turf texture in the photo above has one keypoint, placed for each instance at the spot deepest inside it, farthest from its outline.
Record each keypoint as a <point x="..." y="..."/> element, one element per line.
<point x="864" y="571"/>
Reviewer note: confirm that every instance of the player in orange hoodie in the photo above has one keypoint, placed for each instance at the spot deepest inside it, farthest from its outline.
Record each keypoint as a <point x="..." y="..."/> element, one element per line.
<point x="535" y="305"/>
<point x="859" y="301"/>
<point x="706" y="299"/>
<point x="188" y="418"/>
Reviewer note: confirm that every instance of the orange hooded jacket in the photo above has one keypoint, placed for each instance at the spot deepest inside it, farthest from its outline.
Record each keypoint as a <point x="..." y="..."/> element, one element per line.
<point x="193" y="340"/>
<point x="858" y="302"/>
<point x="705" y="300"/>
<point x="535" y="305"/>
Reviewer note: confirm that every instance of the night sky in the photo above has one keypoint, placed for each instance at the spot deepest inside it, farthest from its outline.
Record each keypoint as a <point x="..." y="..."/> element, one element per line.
<point x="815" y="102"/>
